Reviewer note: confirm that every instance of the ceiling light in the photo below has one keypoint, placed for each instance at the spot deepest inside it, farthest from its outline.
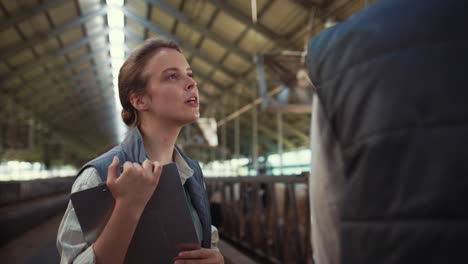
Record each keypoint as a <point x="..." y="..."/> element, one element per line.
<point x="115" y="2"/>
<point x="117" y="51"/>
<point x="115" y="17"/>
<point x="116" y="36"/>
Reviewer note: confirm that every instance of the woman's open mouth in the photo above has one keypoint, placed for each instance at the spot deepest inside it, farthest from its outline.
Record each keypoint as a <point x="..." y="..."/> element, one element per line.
<point x="192" y="101"/>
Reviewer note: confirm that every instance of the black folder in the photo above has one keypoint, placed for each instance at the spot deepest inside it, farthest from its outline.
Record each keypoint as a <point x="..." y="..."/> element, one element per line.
<point x="165" y="227"/>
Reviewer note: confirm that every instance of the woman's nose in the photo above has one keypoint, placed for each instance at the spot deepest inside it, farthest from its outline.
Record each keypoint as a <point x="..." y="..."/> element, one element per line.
<point x="191" y="83"/>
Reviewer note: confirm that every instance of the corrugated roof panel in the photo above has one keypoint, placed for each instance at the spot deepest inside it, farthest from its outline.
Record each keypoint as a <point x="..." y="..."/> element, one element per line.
<point x="103" y="71"/>
<point x="57" y="62"/>
<point x="9" y="37"/>
<point x="63" y="13"/>
<point x="279" y="15"/>
<point x="210" y="89"/>
<point x="174" y="3"/>
<point x="131" y="44"/>
<point x="88" y="76"/>
<point x="82" y="66"/>
<point x="137" y="6"/>
<point x="78" y="52"/>
<point x="71" y="35"/>
<point x="35" y="80"/>
<point x="102" y="64"/>
<point x="12" y="82"/>
<point x="245" y="6"/>
<point x="95" y="25"/>
<point x="47" y="45"/>
<point x="151" y="34"/>
<point x="220" y="77"/>
<point x="254" y="43"/>
<point x="12" y="6"/>
<point x="212" y="49"/>
<point x="34" y="26"/>
<point x="135" y="28"/>
<point x="162" y="19"/>
<point x="87" y="6"/>
<point x="236" y="63"/>
<point x="186" y="54"/>
<point x="227" y="27"/>
<point x="187" y="34"/>
<point x="22" y="57"/>
<point x="301" y="35"/>
<point x="102" y="57"/>
<point x="3" y="67"/>
<point x="252" y="75"/>
<point x="247" y="92"/>
<point x="295" y="22"/>
<point x="34" y="72"/>
<point x="201" y="11"/>
<point x="99" y="43"/>
<point x="27" y="91"/>
<point x="348" y="9"/>
<point x="200" y="66"/>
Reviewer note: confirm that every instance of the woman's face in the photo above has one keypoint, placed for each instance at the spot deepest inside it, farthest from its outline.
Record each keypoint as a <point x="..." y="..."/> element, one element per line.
<point x="172" y="91"/>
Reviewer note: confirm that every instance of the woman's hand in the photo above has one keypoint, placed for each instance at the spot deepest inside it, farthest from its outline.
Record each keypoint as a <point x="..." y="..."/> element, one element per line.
<point x="136" y="184"/>
<point x="200" y="256"/>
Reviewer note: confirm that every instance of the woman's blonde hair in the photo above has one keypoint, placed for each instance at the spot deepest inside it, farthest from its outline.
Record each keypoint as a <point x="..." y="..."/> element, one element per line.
<point x="132" y="78"/>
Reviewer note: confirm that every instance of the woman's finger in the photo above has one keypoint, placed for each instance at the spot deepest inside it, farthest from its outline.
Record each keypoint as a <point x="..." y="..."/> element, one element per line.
<point x="112" y="170"/>
<point x="148" y="167"/>
<point x="195" y="254"/>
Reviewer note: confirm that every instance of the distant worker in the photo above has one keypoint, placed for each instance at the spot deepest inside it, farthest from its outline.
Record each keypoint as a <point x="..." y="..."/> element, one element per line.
<point x="389" y="135"/>
<point x="159" y="96"/>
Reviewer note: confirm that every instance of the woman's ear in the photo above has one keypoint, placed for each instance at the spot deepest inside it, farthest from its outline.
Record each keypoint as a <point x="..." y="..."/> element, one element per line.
<point x="139" y="102"/>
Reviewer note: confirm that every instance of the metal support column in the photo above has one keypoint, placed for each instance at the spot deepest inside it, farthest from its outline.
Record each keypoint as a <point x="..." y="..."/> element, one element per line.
<point x="255" y="139"/>
<point x="224" y="132"/>
<point x="237" y="133"/>
<point x="31" y="134"/>
<point x="261" y="80"/>
<point x="279" y="119"/>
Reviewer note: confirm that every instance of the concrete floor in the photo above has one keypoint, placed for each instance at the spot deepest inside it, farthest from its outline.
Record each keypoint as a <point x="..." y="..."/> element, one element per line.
<point x="37" y="246"/>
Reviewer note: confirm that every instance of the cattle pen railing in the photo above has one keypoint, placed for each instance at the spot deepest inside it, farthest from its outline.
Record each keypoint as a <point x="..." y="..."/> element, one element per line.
<point x="267" y="216"/>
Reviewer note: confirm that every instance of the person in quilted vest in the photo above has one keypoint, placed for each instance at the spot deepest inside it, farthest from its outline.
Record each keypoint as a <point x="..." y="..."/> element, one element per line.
<point x="389" y="135"/>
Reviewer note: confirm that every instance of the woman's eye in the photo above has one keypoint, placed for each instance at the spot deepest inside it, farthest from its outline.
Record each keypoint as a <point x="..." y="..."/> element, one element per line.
<point x="173" y="76"/>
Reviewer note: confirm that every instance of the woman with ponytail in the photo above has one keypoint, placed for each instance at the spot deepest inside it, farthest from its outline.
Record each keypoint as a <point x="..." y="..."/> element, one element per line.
<point x="159" y="96"/>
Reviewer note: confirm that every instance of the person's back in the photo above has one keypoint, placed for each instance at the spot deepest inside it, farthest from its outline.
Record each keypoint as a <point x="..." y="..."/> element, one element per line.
<point x="392" y="87"/>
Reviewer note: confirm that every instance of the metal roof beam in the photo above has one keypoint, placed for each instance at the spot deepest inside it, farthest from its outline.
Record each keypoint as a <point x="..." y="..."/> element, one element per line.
<point x="156" y="29"/>
<point x="247" y="21"/>
<point x="80" y="60"/>
<point x="200" y="28"/>
<point x="39" y="80"/>
<point x="61" y="75"/>
<point x="308" y="4"/>
<point x="80" y="91"/>
<point x="51" y="55"/>
<point x="193" y="50"/>
<point x="59" y="72"/>
<point x="23" y="15"/>
<point x="14" y="49"/>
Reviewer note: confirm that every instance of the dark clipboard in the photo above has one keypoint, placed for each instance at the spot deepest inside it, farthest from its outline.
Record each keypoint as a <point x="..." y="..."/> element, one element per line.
<point x="165" y="227"/>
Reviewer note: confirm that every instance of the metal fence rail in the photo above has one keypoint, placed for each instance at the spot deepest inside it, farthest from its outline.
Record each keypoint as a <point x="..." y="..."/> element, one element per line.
<point x="265" y="215"/>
